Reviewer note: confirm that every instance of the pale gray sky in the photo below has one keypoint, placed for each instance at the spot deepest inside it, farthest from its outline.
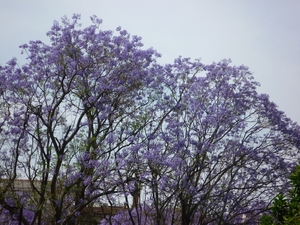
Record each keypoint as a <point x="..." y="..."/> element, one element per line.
<point x="261" y="34"/>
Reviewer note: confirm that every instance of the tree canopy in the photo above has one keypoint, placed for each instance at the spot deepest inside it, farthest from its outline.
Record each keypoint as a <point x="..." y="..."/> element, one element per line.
<point x="92" y="118"/>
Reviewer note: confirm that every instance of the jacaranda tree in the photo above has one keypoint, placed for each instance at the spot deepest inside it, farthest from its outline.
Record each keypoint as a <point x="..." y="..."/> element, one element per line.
<point x="92" y="118"/>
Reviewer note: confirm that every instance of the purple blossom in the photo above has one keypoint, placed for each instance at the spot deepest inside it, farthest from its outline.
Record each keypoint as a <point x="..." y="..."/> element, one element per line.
<point x="92" y="117"/>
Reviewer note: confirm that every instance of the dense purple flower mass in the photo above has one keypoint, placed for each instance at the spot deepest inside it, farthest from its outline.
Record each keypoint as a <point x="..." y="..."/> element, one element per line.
<point x="93" y="119"/>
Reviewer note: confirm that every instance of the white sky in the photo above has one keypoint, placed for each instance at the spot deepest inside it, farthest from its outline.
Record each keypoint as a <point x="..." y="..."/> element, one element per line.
<point x="261" y="34"/>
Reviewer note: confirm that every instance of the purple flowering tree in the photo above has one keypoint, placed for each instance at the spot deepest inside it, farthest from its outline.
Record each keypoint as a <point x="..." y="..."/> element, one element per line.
<point x="218" y="152"/>
<point x="228" y="148"/>
<point x="64" y="117"/>
<point x="91" y="118"/>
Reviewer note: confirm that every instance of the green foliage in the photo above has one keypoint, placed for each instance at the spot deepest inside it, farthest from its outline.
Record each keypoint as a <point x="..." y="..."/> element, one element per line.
<point x="286" y="209"/>
<point x="267" y="220"/>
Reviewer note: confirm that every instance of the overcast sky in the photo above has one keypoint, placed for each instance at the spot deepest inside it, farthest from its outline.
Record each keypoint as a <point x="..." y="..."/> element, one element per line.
<point x="261" y="34"/>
